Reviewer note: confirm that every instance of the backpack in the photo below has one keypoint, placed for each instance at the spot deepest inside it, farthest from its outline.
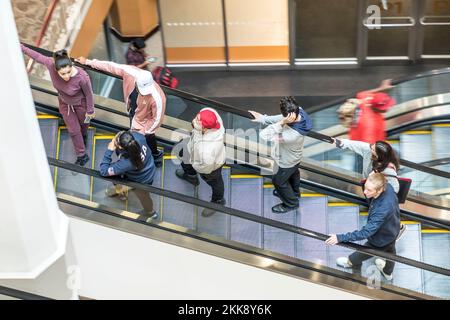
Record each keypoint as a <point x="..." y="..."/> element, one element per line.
<point x="164" y="76"/>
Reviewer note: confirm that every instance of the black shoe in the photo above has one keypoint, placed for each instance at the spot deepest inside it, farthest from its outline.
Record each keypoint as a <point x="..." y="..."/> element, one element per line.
<point x="191" y="179"/>
<point x="81" y="161"/>
<point x="282" y="208"/>
<point x="209" y="212"/>
<point x="146" y="217"/>
<point x="275" y="193"/>
<point x="158" y="158"/>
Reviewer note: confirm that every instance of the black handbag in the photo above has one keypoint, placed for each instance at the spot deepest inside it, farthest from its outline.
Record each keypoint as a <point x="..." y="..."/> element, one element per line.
<point x="404" y="186"/>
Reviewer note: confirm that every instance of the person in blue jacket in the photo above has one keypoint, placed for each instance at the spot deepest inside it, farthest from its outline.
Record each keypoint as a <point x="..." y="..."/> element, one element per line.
<point x="381" y="230"/>
<point x="135" y="163"/>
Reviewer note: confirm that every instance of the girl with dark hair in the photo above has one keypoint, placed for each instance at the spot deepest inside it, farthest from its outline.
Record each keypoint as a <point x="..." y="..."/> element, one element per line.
<point x="378" y="157"/>
<point x="135" y="162"/>
<point x="76" y="100"/>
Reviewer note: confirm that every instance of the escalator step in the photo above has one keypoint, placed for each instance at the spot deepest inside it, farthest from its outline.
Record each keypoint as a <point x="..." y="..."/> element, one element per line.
<point x="341" y="219"/>
<point x="176" y="212"/>
<point x="441" y="146"/>
<point x="436" y="251"/>
<point x="247" y="195"/>
<point x="49" y="132"/>
<point x="78" y="185"/>
<point x="275" y="239"/>
<point x="409" y="246"/>
<point x="217" y="224"/>
<point x="313" y="216"/>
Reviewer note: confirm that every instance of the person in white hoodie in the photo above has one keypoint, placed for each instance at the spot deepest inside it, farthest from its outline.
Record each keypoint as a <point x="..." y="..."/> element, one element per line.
<point x="205" y="154"/>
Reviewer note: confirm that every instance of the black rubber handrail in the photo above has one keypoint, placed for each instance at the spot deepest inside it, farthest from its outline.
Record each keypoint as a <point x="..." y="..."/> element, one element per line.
<point x="227" y="108"/>
<point x="21" y="295"/>
<point x="296" y="262"/>
<point x="341" y="100"/>
<point x="247" y="216"/>
<point x="318" y="188"/>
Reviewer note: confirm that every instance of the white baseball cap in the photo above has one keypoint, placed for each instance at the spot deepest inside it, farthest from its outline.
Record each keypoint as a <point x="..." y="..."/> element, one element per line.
<point x="144" y="81"/>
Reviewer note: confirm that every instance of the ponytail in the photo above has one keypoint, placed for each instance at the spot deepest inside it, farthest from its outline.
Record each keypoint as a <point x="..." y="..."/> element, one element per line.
<point x="62" y="59"/>
<point x="132" y="148"/>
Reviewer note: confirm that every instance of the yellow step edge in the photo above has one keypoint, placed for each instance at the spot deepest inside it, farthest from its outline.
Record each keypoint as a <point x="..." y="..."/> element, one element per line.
<point x="46" y="116"/>
<point x="103" y="137"/>
<point x="226" y="167"/>
<point x="392" y="141"/>
<point x="245" y="176"/>
<point x="442" y="125"/>
<point x="435" y="231"/>
<point x="364" y="213"/>
<point x="311" y="195"/>
<point x="417" y="132"/>
<point x="342" y="204"/>
<point x="409" y="222"/>
<point x="268" y="186"/>
<point x="169" y="157"/>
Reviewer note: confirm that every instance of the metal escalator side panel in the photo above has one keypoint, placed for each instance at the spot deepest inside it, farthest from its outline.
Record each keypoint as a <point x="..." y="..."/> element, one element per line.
<point x="78" y="185"/>
<point x="247" y="195"/>
<point x="219" y="223"/>
<point x="436" y="250"/>
<point x="275" y="239"/>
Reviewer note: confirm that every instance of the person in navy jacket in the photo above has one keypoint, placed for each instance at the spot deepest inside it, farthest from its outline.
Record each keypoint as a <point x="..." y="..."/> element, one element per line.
<point x="135" y="162"/>
<point x="381" y="230"/>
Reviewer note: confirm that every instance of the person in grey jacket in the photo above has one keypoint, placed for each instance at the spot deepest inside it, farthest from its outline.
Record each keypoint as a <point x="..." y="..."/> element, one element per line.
<point x="287" y="151"/>
<point x="377" y="157"/>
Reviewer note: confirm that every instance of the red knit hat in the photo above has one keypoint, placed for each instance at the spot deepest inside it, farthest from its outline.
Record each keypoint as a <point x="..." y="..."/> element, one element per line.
<point x="381" y="101"/>
<point x="209" y="119"/>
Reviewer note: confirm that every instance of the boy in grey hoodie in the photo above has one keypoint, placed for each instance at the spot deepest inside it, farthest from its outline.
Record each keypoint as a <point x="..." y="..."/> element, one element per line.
<point x="287" y="150"/>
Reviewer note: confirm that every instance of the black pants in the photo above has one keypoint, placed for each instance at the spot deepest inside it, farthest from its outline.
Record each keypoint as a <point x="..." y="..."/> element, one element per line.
<point x="149" y="138"/>
<point x="357" y="258"/>
<point x="287" y="184"/>
<point x="213" y="179"/>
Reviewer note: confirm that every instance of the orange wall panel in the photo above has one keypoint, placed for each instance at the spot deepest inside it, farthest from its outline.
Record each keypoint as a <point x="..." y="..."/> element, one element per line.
<point x="92" y="24"/>
<point x="195" y="55"/>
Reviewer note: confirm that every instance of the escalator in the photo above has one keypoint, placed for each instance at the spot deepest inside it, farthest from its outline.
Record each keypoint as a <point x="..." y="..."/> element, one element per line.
<point x="247" y="222"/>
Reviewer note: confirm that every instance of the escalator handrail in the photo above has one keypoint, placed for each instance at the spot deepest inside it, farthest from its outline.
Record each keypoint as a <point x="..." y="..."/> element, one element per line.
<point x="233" y="110"/>
<point x="322" y="189"/>
<point x="341" y="100"/>
<point x="21" y="295"/>
<point x="247" y="216"/>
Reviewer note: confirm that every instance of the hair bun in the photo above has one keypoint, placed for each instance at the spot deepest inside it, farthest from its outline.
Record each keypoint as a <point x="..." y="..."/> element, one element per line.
<point x="60" y="54"/>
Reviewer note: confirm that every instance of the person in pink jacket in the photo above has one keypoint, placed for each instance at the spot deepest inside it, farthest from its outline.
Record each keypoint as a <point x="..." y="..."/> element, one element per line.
<point x="144" y="99"/>
<point x="76" y="100"/>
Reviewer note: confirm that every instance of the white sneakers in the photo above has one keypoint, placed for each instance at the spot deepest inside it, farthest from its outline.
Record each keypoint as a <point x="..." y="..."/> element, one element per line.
<point x="380" y="263"/>
<point x="344" y="262"/>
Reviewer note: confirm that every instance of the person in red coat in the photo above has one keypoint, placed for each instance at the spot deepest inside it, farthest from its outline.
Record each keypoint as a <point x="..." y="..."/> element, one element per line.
<point x="369" y="125"/>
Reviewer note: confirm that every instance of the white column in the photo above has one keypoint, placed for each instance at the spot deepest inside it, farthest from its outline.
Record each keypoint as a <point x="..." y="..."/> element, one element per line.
<point x="33" y="231"/>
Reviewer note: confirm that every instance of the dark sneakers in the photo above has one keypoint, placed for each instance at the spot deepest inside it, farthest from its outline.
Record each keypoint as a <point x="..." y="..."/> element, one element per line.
<point x="189" y="178"/>
<point x="82" y="160"/>
<point x="282" y="208"/>
<point x="146" y="216"/>
<point x="209" y="212"/>
<point x="158" y="158"/>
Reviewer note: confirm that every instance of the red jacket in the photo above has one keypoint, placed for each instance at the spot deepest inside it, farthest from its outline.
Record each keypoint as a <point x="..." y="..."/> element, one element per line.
<point x="370" y="126"/>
